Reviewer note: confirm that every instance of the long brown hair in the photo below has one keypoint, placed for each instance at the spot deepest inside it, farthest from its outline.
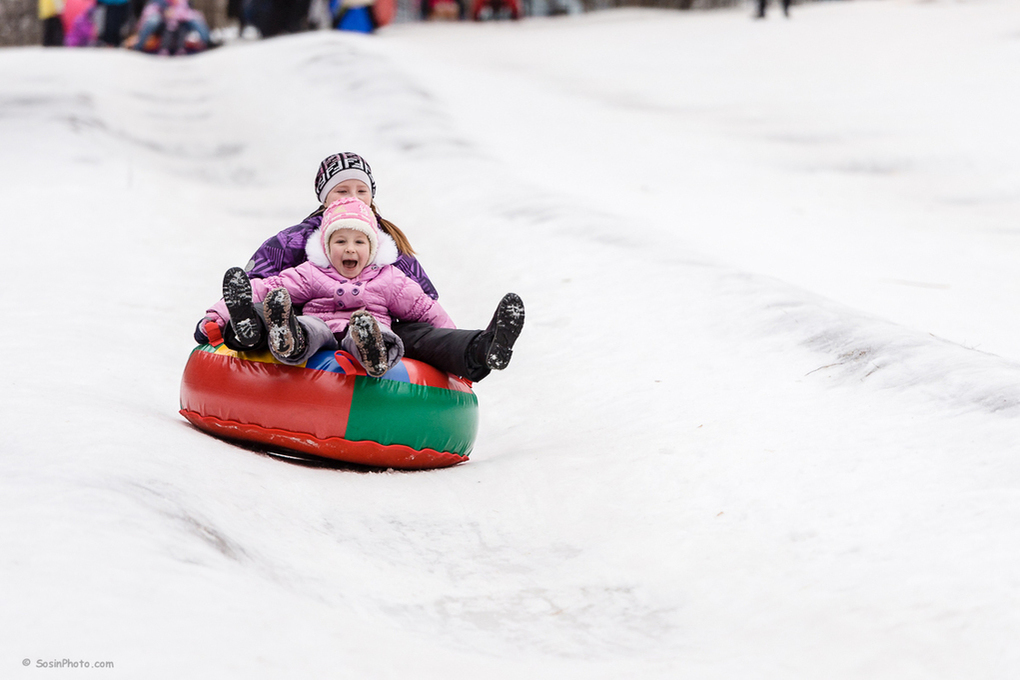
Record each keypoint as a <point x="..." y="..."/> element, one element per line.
<point x="403" y="245"/>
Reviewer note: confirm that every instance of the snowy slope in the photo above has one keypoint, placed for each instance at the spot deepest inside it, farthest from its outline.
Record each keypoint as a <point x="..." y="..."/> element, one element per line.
<point x="763" y="420"/>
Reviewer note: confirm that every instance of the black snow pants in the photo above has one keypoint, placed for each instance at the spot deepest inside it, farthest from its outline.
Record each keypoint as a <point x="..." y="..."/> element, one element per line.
<point x="763" y="3"/>
<point x="453" y="350"/>
<point x="115" y="16"/>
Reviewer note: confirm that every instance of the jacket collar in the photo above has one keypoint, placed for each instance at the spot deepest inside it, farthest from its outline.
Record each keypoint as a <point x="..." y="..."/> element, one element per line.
<point x="387" y="252"/>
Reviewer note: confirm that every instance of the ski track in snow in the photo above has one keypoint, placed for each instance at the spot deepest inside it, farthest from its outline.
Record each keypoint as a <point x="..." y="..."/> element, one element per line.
<point x="694" y="464"/>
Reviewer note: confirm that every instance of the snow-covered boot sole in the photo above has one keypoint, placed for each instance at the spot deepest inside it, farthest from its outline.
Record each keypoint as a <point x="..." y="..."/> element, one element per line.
<point x="237" y="296"/>
<point x="369" y="341"/>
<point x="286" y="337"/>
<point x="505" y="327"/>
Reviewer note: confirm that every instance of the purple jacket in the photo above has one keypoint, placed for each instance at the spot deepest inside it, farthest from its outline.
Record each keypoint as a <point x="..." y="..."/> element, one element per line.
<point x="287" y="249"/>
<point x="83" y="30"/>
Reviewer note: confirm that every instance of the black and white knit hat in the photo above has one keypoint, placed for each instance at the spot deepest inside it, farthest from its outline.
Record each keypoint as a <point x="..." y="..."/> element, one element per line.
<point x="338" y="168"/>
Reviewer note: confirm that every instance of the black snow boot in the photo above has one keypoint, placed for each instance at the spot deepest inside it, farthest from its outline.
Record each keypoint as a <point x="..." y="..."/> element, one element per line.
<point x="494" y="347"/>
<point x="286" y="337"/>
<point x="369" y="341"/>
<point x="237" y="295"/>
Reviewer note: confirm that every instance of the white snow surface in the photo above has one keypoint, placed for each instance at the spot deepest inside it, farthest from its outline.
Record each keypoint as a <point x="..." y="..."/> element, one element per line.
<point x="763" y="421"/>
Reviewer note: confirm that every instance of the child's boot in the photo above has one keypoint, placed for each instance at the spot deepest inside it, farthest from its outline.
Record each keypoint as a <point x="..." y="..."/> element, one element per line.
<point x="494" y="347"/>
<point x="237" y="296"/>
<point x="368" y="339"/>
<point x="286" y="337"/>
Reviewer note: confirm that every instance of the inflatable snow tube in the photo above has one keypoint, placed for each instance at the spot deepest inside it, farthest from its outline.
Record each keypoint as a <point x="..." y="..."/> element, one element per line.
<point x="414" y="417"/>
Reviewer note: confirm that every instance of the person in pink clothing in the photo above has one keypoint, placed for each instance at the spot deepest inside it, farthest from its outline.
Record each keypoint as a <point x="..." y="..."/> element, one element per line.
<point x="350" y="294"/>
<point x="468" y="354"/>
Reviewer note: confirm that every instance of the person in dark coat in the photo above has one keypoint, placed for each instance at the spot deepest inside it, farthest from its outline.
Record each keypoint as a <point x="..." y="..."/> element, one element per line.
<point x="276" y="17"/>
<point x="763" y="3"/>
<point x="115" y="15"/>
<point x="52" y="24"/>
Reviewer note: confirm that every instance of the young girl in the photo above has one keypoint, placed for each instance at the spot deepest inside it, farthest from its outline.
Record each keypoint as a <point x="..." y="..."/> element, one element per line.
<point x="172" y="21"/>
<point x="350" y="292"/>
<point x="339" y="175"/>
<point x="470" y="354"/>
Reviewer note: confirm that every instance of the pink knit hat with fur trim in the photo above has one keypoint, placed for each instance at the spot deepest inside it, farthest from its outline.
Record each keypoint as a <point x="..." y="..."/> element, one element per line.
<point x="350" y="213"/>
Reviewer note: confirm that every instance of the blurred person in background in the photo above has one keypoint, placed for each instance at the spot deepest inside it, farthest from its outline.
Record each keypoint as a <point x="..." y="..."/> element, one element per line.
<point x="354" y="15"/>
<point x="167" y="26"/>
<point x="242" y="11"/>
<point x="52" y="23"/>
<point x="275" y="17"/>
<point x="443" y="10"/>
<point x="114" y="16"/>
<point x="763" y="3"/>
<point x="80" y="24"/>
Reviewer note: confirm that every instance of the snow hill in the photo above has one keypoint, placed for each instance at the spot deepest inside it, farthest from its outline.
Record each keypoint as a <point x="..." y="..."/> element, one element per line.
<point x="763" y="421"/>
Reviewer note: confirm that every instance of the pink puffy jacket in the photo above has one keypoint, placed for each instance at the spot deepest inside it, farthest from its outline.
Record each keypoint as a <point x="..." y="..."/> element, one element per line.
<point x="382" y="289"/>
